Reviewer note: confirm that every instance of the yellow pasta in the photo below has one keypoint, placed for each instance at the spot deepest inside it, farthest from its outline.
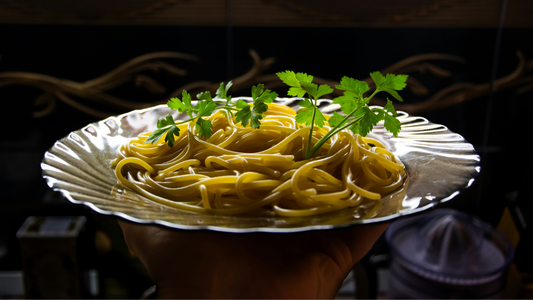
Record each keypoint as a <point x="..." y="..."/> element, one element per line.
<point x="252" y="171"/>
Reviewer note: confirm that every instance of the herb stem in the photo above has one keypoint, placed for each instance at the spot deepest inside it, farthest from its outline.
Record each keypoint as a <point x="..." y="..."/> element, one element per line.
<point x="308" y="153"/>
<point x="346" y="126"/>
<point x="372" y="96"/>
<point x="340" y="126"/>
<point x="331" y="133"/>
<point x="229" y="108"/>
<point x="345" y="119"/>
<point x="186" y="121"/>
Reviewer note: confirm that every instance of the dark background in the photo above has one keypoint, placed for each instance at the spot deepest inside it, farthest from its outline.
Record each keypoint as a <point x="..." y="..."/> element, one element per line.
<point x="80" y="53"/>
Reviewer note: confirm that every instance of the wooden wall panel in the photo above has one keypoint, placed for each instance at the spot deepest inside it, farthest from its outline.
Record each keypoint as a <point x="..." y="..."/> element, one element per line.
<point x="270" y="13"/>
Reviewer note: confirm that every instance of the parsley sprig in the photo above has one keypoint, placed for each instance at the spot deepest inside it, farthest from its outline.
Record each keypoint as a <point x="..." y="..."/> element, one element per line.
<point x="359" y="117"/>
<point x="206" y="104"/>
<point x="301" y="85"/>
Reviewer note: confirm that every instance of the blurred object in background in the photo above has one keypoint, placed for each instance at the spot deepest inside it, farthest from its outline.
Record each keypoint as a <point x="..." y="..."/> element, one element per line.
<point x="447" y="254"/>
<point x="56" y="258"/>
<point x="516" y="224"/>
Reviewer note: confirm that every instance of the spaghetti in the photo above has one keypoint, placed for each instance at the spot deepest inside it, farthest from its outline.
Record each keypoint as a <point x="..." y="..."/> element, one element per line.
<point x="247" y="171"/>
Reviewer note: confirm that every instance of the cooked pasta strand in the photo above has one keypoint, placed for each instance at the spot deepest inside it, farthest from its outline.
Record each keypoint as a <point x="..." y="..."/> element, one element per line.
<point x="244" y="170"/>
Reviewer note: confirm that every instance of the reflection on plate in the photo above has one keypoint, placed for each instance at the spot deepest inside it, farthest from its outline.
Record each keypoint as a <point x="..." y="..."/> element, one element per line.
<point x="440" y="164"/>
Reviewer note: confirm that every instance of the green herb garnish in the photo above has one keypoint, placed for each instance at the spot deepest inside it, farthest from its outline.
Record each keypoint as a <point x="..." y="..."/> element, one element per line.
<point x="302" y="84"/>
<point x="205" y="106"/>
<point x="359" y="117"/>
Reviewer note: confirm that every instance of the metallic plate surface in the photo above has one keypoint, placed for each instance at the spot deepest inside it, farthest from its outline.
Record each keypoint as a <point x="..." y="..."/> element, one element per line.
<point x="440" y="164"/>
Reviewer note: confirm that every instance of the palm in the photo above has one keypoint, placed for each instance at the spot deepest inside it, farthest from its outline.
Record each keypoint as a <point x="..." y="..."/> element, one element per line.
<point x="201" y="264"/>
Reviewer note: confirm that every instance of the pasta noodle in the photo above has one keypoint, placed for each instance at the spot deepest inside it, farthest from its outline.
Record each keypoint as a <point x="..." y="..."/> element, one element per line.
<point x="248" y="171"/>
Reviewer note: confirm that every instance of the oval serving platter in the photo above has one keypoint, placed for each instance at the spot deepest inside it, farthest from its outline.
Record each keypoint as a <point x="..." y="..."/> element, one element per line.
<point x="440" y="165"/>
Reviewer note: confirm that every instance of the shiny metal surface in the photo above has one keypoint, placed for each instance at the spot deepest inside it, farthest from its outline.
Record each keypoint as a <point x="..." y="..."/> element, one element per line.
<point x="440" y="164"/>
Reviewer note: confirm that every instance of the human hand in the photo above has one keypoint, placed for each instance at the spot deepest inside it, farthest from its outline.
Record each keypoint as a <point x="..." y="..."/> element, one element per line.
<point x="207" y="264"/>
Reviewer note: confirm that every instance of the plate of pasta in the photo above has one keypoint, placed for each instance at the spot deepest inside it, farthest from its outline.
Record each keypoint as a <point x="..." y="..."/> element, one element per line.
<point x="256" y="180"/>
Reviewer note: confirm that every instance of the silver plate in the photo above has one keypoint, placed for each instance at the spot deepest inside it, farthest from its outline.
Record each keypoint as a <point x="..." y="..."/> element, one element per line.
<point x="440" y="164"/>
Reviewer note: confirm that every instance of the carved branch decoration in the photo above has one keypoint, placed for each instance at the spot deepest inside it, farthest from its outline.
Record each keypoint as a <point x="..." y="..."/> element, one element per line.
<point x="96" y="90"/>
<point x="462" y="92"/>
<point x="449" y="96"/>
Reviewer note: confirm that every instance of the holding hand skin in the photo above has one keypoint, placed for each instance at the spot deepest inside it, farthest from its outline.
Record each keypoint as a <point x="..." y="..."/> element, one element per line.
<point x="207" y="264"/>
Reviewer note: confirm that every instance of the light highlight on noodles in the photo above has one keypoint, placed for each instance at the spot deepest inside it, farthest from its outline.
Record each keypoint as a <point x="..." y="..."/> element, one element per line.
<point x="247" y="171"/>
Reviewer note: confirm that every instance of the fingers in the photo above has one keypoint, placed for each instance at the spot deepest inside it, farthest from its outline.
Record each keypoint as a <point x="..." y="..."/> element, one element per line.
<point x="142" y="238"/>
<point x="360" y="239"/>
<point x="177" y="256"/>
<point x="131" y="231"/>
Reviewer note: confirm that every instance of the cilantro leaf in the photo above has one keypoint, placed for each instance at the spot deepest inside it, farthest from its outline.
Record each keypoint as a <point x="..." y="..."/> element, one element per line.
<point x="205" y="108"/>
<point x="394" y="94"/>
<point x="359" y="113"/>
<point x="302" y="77"/>
<point x="314" y="90"/>
<point x="253" y="116"/>
<point x="392" y="124"/>
<point x="367" y="121"/>
<point x="247" y="113"/>
<point x="259" y="107"/>
<point x="289" y="78"/>
<point x="296" y="92"/>
<point x="243" y="116"/>
<point x="353" y="95"/>
<point x="306" y="103"/>
<point x="156" y="135"/>
<point x="294" y="79"/>
<point x="355" y="128"/>
<point x="258" y="94"/>
<point x="347" y="102"/>
<point x="320" y="119"/>
<point x="176" y="104"/>
<point x="205" y="96"/>
<point x="163" y="126"/>
<point x="390" y="108"/>
<point x="323" y="89"/>
<point x="310" y="88"/>
<point x="359" y="117"/>
<point x="390" y="83"/>
<point x="257" y="90"/>
<point x="204" y="127"/>
<point x="267" y="96"/>
<point x="255" y="120"/>
<point x="172" y="131"/>
<point x="395" y="82"/>
<point x="165" y="121"/>
<point x="378" y="78"/>
<point x="355" y="87"/>
<point x="183" y="105"/>
<point x="222" y="92"/>
<point x="335" y="119"/>
<point x="300" y="83"/>
<point x="380" y="113"/>
<point x="305" y="115"/>
<point x="242" y="104"/>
